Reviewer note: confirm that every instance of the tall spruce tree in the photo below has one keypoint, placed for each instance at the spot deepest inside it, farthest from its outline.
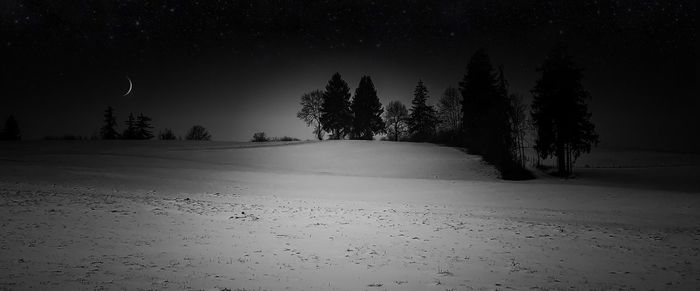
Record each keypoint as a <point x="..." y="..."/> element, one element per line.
<point x="423" y="118"/>
<point x="366" y="111"/>
<point x="143" y="127"/>
<point x="336" y="116"/>
<point x="108" y="130"/>
<point x="479" y="90"/>
<point x="560" y="113"/>
<point x="130" y="131"/>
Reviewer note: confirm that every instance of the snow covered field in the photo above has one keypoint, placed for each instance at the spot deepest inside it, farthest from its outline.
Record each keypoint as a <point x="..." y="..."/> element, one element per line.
<point x="339" y="215"/>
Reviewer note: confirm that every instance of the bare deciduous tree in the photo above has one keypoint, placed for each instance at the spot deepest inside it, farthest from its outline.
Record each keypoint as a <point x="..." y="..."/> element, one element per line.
<point x="450" y="111"/>
<point x="396" y="117"/>
<point x="310" y="112"/>
<point x="198" y="132"/>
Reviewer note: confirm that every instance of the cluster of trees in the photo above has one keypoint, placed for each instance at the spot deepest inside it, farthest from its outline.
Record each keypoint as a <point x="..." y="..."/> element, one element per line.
<point x="495" y="122"/>
<point x="140" y="128"/>
<point x="11" y="130"/>
<point x="481" y="115"/>
<point x="136" y="128"/>
<point x="363" y="116"/>
<point x="334" y="112"/>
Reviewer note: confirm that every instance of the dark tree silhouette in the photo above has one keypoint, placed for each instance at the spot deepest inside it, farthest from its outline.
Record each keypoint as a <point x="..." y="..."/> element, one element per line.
<point x="336" y="117"/>
<point x="167" y="134"/>
<point x="560" y="112"/>
<point x="143" y="127"/>
<point x="487" y="115"/>
<point x="311" y="111"/>
<point x="422" y="120"/>
<point x="449" y="110"/>
<point x="198" y="132"/>
<point x="131" y="131"/>
<point x="396" y="117"/>
<point x="519" y="124"/>
<point x="11" y="131"/>
<point x="366" y="111"/>
<point x="108" y="130"/>
<point x="479" y="90"/>
<point x="260" y="137"/>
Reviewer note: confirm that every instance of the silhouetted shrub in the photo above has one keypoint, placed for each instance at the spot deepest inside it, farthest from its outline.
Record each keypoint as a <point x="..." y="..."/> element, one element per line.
<point x="284" y="138"/>
<point x="66" y="137"/>
<point x="167" y="134"/>
<point x="260" y="137"/>
<point x="198" y="132"/>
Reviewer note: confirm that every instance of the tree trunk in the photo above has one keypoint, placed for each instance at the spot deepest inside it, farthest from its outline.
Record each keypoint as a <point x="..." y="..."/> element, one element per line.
<point x="561" y="160"/>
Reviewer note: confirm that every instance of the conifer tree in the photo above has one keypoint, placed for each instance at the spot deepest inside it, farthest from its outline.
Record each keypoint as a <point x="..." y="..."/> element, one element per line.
<point x="423" y="118"/>
<point x="479" y="90"/>
<point x="336" y="116"/>
<point x="130" y="131"/>
<point x="143" y="127"/>
<point x="560" y="113"/>
<point x="108" y="130"/>
<point x="366" y="111"/>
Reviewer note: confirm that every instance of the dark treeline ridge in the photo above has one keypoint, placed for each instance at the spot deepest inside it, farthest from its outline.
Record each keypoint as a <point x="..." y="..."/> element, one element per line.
<point x="140" y="128"/>
<point x="480" y="115"/>
<point x="262" y="137"/>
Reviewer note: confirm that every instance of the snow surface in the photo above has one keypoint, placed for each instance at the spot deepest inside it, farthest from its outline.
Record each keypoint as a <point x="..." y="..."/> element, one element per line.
<point x="339" y="215"/>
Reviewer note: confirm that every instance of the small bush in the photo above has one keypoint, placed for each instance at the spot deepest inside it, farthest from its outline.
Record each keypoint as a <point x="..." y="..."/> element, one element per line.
<point x="167" y="134"/>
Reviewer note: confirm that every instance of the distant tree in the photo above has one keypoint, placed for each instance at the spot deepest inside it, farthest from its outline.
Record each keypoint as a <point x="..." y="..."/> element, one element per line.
<point x="167" y="134"/>
<point x="108" y="130"/>
<point x="396" y="117"/>
<point x="260" y="137"/>
<point x="198" y="132"/>
<point x="423" y="118"/>
<point x="11" y="131"/>
<point x="450" y="113"/>
<point x="336" y="117"/>
<point x="310" y="112"/>
<point x="560" y="112"/>
<point x="366" y="111"/>
<point x="143" y="127"/>
<point x="131" y="131"/>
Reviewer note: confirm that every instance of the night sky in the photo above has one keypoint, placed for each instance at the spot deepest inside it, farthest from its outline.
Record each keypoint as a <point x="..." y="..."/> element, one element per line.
<point x="237" y="67"/>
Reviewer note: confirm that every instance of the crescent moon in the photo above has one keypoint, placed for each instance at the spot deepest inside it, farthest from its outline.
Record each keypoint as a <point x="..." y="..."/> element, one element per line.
<point x="131" y="86"/>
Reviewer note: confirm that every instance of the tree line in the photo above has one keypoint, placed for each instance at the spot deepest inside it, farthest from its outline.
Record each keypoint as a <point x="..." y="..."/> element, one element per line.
<point x="140" y="128"/>
<point x="480" y="115"/>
